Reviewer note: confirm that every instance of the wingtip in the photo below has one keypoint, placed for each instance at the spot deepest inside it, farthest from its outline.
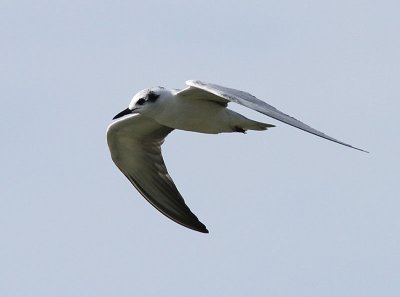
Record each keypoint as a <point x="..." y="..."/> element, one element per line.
<point x="194" y="225"/>
<point x="205" y="231"/>
<point x="201" y="228"/>
<point x="361" y="150"/>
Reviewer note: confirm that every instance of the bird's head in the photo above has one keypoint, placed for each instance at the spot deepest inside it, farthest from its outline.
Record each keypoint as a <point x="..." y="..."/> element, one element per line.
<point x="144" y="101"/>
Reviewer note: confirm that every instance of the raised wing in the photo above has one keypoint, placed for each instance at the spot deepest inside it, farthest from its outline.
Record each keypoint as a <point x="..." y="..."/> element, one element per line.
<point x="225" y="95"/>
<point x="135" y="145"/>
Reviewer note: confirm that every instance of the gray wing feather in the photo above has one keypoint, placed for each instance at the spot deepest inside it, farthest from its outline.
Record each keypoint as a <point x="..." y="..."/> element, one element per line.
<point x="225" y="95"/>
<point x="135" y="145"/>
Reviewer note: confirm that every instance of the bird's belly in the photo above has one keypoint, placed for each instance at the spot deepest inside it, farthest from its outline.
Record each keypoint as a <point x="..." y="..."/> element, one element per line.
<point x="203" y="117"/>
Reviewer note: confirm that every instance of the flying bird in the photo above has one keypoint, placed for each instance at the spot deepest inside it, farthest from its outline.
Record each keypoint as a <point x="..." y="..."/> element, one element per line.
<point x="136" y="134"/>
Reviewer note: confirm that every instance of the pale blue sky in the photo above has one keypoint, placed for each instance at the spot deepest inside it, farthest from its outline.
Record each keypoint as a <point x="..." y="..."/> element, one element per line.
<point x="289" y="214"/>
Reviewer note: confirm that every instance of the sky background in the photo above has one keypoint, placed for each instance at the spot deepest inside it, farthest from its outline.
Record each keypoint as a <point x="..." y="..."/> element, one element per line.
<point x="289" y="214"/>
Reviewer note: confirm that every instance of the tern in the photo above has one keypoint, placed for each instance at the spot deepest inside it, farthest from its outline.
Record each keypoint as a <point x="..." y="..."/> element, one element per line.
<point x="136" y="134"/>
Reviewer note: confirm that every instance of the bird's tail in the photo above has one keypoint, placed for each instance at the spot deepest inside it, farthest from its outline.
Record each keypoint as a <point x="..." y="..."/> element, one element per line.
<point x="258" y="126"/>
<point x="247" y="124"/>
<point x="242" y="124"/>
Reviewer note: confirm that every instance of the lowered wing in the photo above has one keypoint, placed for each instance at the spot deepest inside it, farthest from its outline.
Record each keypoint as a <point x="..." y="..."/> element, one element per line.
<point x="135" y="145"/>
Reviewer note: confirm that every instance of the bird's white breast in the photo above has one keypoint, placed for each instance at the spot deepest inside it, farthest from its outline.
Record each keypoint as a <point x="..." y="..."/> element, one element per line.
<point x="192" y="115"/>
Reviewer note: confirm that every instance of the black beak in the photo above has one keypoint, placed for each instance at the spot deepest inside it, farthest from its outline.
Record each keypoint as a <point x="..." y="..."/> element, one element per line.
<point x="122" y="113"/>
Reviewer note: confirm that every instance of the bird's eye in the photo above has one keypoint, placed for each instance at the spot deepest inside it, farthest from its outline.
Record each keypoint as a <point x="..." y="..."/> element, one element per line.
<point x="152" y="96"/>
<point x="141" y="101"/>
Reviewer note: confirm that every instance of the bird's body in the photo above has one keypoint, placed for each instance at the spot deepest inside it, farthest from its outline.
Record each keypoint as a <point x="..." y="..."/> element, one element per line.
<point x="137" y="133"/>
<point x="176" y="110"/>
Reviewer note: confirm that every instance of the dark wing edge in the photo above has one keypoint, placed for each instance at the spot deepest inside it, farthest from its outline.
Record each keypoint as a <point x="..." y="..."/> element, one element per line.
<point x="250" y="101"/>
<point x="135" y="147"/>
